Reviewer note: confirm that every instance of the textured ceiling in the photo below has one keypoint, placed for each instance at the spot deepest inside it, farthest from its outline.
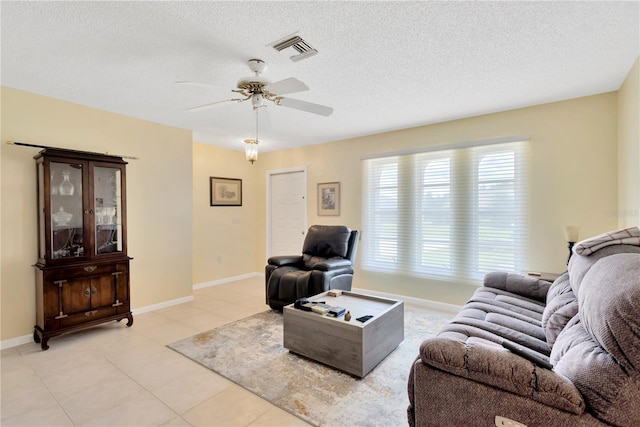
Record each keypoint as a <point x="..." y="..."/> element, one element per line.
<point x="381" y="65"/>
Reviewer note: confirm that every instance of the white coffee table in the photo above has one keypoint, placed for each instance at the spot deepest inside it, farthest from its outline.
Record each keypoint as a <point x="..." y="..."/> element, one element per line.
<point x="350" y="346"/>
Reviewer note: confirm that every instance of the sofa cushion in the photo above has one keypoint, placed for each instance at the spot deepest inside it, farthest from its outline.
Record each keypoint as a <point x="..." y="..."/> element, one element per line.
<point x="611" y="312"/>
<point x="579" y="265"/>
<point x="611" y="393"/>
<point x="494" y="315"/>
<point x="562" y="306"/>
<point x="325" y="241"/>
<point x="310" y="261"/>
<point x="525" y="286"/>
<point x="599" y="348"/>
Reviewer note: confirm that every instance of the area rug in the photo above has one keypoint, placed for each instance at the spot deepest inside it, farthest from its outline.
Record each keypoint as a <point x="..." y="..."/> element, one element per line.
<point x="249" y="352"/>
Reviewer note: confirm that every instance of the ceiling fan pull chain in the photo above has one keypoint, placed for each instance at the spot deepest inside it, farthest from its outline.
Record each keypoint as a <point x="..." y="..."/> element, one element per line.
<point x="257" y="139"/>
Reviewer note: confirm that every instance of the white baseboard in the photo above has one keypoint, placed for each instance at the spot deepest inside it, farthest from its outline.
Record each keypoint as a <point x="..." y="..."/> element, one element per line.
<point x="226" y="280"/>
<point x="14" y="342"/>
<point x="161" y="305"/>
<point x="25" y="339"/>
<point x="434" y="305"/>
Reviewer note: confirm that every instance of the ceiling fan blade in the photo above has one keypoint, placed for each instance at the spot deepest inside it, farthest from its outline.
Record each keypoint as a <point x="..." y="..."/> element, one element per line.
<point x="212" y="105"/>
<point x="283" y="87"/>
<point x="305" y="106"/>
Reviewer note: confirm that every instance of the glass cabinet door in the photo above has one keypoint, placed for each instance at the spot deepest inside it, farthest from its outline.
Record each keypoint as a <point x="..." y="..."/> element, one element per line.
<point x="107" y="203"/>
<point x="67" y="223"/>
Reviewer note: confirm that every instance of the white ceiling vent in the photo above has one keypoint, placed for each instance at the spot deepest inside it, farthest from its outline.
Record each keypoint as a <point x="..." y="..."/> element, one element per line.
<point x="304" y="49"/>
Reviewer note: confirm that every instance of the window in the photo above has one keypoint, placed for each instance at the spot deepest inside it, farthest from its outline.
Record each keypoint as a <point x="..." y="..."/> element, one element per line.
<point x="455" y="213"/>
<point x="433" y="214"/>
<point x="384" y="200"/>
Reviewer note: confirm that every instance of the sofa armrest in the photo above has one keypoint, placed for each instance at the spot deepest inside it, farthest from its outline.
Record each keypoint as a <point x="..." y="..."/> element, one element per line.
<point x="281" y="260"/>
<point x="331" y="264"/>
<point x="525" y="286"/>
<point x="490" y="364"/>
<point x="438" y="398"/>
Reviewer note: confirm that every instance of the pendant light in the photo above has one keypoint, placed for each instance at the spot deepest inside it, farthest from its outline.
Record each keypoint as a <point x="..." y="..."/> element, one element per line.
<point x="251" y="144"/>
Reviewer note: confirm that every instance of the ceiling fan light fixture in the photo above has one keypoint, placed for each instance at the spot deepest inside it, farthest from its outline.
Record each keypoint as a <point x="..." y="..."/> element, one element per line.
<point x="258" y="89"/>
<point x="251" y="149"/>
<point x="251" y="144"/>
<point x="257" y="100"/>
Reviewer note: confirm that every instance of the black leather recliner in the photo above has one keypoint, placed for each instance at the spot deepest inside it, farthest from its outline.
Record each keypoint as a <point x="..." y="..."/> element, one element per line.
<point x="328" y="256"/>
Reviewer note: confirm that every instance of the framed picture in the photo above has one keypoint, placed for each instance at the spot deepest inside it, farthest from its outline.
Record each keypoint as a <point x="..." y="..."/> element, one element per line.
<point x="328" y="198"/>
<point x="225" y="191"/>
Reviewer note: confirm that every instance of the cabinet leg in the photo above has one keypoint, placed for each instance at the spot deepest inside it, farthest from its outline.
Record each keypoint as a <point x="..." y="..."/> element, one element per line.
<point x="40" y="338"/>
<point x="129" y="320"/>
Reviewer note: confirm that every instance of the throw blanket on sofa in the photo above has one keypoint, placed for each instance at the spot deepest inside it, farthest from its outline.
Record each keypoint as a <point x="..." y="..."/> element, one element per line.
<point x="625" y="236"/>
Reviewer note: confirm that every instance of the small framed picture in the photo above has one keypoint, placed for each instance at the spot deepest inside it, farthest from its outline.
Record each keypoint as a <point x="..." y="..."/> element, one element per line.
<point x="225" y="191"/>
<point x="329" y="199"/>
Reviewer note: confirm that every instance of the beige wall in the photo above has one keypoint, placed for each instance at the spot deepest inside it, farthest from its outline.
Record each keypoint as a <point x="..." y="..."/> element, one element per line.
<point x="175" y="237"/>
<point x="223" y="236"/>
<point x="628" y="212"/>
<point x="573" y="179"/>
<point x="159" y="196"/>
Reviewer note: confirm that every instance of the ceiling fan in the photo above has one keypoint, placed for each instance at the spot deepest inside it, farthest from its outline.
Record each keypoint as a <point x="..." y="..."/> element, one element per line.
<point x="258" y="89"/>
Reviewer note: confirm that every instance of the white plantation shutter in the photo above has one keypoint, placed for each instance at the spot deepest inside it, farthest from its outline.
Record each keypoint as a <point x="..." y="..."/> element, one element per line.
<point x="455" y="213"/>
<point x="499" y="231"/>
<point x="381" y="209"/>
<point x="433" y="214"/>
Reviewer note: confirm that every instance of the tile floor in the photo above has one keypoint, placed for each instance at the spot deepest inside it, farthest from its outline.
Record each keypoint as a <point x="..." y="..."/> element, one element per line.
<point x="112" y="375"/>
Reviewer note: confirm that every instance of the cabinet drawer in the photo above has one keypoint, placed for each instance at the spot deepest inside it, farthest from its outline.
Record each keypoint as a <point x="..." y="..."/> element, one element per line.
<point x="87" y="270"/>
<point x="80" y="318"/>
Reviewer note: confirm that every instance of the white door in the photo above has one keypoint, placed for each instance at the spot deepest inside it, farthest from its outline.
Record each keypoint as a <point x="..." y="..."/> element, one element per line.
<point x="286" y="211"/>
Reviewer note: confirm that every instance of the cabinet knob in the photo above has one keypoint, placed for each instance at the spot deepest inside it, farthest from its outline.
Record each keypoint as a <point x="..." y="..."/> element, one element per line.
<point x="90" y="313"/>
<point x="90" y="268"/>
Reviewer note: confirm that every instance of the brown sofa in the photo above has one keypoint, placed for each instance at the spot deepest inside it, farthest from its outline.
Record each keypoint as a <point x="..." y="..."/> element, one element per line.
<point x="586" y="324"/>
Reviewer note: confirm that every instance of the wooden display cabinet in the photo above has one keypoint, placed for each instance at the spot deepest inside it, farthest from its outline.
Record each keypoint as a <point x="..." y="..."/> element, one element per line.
<point x="82" y="273"/>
